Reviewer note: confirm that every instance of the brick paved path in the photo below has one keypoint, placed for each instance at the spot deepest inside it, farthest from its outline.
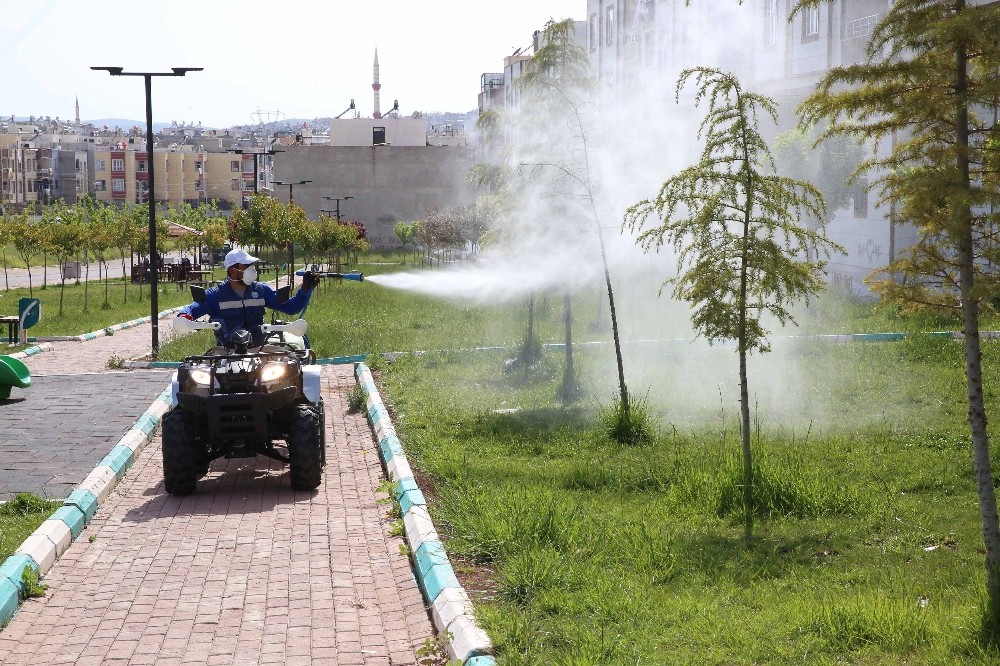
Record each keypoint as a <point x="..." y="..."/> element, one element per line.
<point x="245" y="571"/>
<point x="55" y="432"/>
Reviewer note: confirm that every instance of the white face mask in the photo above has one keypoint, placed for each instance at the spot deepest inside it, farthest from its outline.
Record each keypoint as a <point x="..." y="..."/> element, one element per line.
<point x="250" y="275"/>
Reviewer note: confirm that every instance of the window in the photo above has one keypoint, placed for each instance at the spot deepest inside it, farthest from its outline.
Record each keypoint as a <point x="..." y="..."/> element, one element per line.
<point x="378" y="136"/>
<point x="100" y="165"/>
<point x="118" y="184"/>
<point x="101" y="185"/>
<point x="248" y="186"/>
<point x="234" y="166"/>
<point x="810" y="24"/>
<point x="117" y="165"/>
<point x="772" y="23"/>
<point x="247" y="166"/>
<point x="609" y="26"/>
<point x="861" y="198"/>
<point x="234" y="185"/>
<point x="860" y="27"/>
<point x="593" y="36"/>
<point x="140" y="166"/>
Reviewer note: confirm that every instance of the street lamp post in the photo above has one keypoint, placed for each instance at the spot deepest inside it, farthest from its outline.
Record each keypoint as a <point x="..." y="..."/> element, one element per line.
<point x="338" y="200"/>
<point x="291" y="242"/>
<point x="148" y="76"/>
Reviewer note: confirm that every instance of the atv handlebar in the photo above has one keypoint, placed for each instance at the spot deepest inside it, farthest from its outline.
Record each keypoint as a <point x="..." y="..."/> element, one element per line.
<point x="182" y="325"/>
<point x="297" y="327"/>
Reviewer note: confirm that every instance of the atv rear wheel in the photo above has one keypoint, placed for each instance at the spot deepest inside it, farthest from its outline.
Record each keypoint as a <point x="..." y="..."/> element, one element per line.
<point x="180" y="452"/>
<point x="305" y="449"/>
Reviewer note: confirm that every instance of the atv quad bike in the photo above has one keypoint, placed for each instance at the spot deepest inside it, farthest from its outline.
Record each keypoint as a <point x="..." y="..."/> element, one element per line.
<point x="241" y="401"/>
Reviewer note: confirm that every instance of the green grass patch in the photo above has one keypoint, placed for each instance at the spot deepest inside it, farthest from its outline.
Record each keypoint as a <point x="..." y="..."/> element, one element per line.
<point x="19" y="517"/>
<point x="867" y="544"/>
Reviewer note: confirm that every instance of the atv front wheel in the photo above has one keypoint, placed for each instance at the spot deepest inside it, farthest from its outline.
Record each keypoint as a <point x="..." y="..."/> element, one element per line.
<point x="305" y="449"/>
<point x="180" y="466"/>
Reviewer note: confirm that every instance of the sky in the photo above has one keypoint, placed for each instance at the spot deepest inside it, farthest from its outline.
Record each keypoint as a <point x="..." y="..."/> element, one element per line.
<point x="302" y="58"/>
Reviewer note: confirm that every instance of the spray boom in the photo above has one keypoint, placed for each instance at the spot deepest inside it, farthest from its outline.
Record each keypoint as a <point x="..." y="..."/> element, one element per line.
<point x="356" y="276"/>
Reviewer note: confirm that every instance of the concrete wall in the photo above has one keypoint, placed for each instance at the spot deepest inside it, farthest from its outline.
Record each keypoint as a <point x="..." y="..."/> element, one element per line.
<point x="398" y="131"/>
<point x="387" y="184"/>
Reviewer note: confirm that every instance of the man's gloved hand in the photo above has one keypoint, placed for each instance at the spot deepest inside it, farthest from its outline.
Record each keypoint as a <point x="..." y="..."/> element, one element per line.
<point x="309" y="280"/>
<point x="184" y="315"/>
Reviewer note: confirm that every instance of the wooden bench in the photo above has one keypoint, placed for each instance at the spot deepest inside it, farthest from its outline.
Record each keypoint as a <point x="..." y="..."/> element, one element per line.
<point x="13" y="327"/>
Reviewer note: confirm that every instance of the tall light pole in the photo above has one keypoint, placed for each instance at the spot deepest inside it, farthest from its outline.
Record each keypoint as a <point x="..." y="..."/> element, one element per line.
<point x="291" y="242"/>
<point x="338" y="200"/>
<point x="154" y="319"/>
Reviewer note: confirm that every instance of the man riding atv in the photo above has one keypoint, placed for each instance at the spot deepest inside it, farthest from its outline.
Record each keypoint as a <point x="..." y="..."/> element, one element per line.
<point x="258" y="392"/>
<point x="238" y="303"/>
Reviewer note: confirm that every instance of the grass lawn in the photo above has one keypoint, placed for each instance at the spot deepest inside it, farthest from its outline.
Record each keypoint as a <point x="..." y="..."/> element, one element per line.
<point x="19" y="518"/>
<point x="577" y="550"/>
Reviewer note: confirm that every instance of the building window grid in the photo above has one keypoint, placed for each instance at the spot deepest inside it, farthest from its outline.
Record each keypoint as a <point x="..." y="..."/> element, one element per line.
<point x="117" y="165"/>
<point x="100" y="165"/>
<point x="118" y="185"/>
<point x="860" y="27"/>
<point x="234" y="166"/>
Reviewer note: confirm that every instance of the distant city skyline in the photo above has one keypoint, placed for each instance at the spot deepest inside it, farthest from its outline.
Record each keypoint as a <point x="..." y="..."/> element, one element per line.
<point x="299" y="59"/>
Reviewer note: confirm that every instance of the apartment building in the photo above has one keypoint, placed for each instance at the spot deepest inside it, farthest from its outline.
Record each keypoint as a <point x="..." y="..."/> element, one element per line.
<point x="183" y="174"/>
<point x="640" y="46"/>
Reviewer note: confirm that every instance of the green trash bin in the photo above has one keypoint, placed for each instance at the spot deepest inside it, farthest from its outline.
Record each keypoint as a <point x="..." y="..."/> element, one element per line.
<point x="12" y="373"/>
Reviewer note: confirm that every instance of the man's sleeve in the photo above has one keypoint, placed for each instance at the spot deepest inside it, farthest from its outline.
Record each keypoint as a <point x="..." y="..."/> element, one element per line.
<point x="196" y="309"/>
<point x="292" y="306"/>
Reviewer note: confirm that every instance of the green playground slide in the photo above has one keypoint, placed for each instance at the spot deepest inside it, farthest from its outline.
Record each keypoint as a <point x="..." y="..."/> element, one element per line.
<point x="12" y="373"/>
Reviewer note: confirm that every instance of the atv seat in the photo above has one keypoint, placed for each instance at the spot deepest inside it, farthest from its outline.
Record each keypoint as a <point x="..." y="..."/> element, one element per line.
<point x="13" y="373"/>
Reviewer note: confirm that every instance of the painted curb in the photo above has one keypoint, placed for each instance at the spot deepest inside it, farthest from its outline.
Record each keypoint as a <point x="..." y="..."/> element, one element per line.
<point x="55" y="535"/>
<point x="449" y="604"/>
<point x="31" y="351"/>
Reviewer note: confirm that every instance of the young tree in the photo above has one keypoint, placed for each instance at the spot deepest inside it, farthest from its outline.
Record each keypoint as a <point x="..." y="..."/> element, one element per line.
<point x="66" y="236"/>
<point x="27" y="241"/>
<point x="735" y="226"/>
<point x="559" y="85"/>
<point x="930" y="72"/>
<point x="404" y="232"/>
<point x="6" y="236"/>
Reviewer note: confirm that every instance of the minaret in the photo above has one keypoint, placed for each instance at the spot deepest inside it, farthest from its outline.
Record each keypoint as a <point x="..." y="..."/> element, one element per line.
<point x="77" y="109"/>
<point x="376" y="85"/>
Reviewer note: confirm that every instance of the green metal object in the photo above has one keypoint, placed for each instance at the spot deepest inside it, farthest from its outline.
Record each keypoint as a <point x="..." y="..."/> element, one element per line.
<point x="12" y="373"/>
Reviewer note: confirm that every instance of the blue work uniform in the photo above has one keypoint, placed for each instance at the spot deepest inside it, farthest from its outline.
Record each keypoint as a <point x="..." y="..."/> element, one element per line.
<point x="234" y="312"/>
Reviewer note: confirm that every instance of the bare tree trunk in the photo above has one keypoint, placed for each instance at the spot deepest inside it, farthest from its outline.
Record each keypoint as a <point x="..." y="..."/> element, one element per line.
<point x="569" y="375"/>
<point x="973" y="358"/>
<point x="86" y="285"/>
<point x="744" y="391"/>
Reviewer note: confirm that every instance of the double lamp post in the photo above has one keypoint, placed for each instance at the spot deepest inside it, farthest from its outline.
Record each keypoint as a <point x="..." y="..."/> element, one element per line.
<point x="148" y="76"/>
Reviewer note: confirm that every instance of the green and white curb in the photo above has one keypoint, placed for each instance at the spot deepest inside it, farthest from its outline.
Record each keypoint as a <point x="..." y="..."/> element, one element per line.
<point x="45" y="545"/>
<point x="450" y="607"/>
<point x="31" y="351"/>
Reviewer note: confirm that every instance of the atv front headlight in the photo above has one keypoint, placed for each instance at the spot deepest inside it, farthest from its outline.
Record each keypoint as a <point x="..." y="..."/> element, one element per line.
<point x="272" y="371"/>
<point x="200" y="376"/>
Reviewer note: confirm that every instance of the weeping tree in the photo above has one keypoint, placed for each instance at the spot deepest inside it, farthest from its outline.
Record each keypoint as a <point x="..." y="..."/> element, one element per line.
<point x="735" y="225"/>
<point x="929" y="88"/>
